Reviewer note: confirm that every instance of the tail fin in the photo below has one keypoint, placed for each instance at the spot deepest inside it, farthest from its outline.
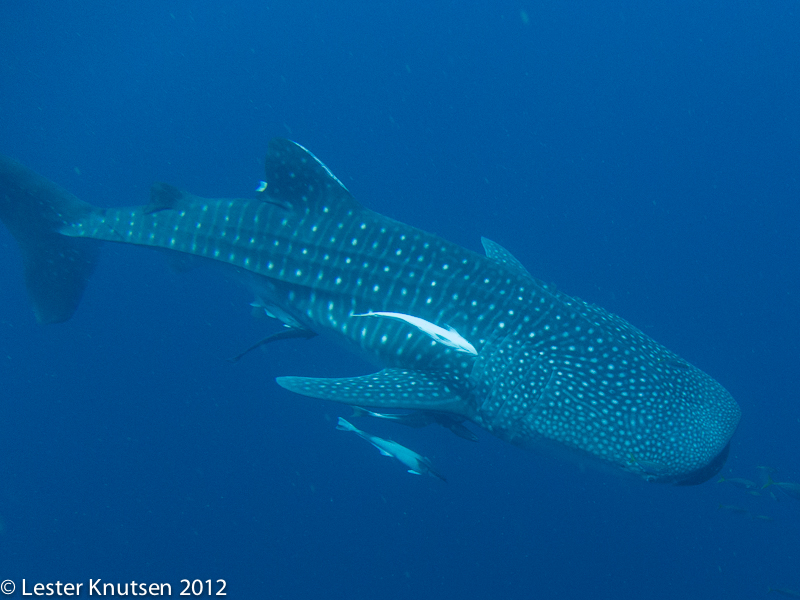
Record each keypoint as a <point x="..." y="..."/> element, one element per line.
<point x="343" y="425"/>
<point x="435" y="473"/>
<point x="359" y="412"/>
<point x="57" y="267"/>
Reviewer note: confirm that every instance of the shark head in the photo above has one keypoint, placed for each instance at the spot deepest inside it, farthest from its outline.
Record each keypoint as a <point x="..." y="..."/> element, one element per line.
<point x="585" y="380"/>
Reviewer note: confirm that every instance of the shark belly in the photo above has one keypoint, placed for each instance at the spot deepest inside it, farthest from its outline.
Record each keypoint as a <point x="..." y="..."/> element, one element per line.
<point x="544" y="369"/>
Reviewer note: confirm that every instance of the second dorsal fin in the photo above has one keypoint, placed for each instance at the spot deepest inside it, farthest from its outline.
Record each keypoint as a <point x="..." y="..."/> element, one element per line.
<point x="500" y="255"/>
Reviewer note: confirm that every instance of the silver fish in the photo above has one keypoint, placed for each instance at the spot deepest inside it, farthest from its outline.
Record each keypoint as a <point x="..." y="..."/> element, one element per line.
<point x="416" y="463"/>
<point x="785" y="592"/>
<point x="789" y="488"/>
<point x="420" y="419"/>
<point x="743" y="484"/>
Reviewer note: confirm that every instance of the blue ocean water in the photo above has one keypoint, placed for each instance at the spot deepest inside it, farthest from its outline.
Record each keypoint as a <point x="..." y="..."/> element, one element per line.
<point x="644" y="157"/>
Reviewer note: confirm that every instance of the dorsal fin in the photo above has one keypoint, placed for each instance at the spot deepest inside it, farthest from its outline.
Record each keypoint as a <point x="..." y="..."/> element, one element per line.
<point x="500" y="255"/>
<point x="297" y="179"/>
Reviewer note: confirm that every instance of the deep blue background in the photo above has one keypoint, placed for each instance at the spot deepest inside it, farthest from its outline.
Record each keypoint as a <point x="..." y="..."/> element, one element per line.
<point x="643" y="156"/>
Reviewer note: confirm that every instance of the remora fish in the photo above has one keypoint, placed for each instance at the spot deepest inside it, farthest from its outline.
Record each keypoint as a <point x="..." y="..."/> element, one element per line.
<point x="549" y="371"/>
<point x="444" y="335"/>
<point x="416" y="463"/>
<point x="420" y="419"/>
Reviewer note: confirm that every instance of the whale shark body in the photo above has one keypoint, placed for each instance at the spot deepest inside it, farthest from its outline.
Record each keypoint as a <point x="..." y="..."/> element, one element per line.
<point x="459" y="333"/>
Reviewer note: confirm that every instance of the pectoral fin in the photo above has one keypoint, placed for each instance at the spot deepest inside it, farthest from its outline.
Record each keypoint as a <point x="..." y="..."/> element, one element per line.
<point x="390" y="388"/>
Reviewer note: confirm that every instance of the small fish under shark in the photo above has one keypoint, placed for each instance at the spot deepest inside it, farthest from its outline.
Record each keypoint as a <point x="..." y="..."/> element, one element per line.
<point x="421" y="419"/>
<point x="416" y="463"/>
<point x="472" y="336"/>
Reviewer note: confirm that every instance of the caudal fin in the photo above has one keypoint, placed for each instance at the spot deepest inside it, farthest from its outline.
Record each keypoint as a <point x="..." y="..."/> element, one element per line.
<point x="359" y="412"/>
<point x="57" y="267"/>
<point x="344" y="425"/>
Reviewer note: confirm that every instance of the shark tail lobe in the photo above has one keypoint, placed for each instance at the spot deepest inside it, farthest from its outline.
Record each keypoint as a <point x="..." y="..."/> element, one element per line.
<point x="57" y="268"/>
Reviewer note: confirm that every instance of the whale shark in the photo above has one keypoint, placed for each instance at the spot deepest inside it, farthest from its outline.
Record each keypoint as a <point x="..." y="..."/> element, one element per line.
<point x="458" y="333"/>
